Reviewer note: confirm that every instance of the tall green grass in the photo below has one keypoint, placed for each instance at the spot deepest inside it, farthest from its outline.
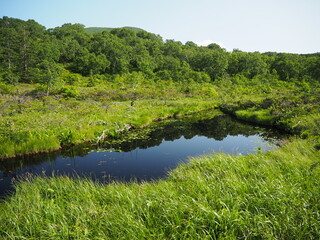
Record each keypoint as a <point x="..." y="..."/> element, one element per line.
<point x="262" y="117"/>
<point x="274" y="195"/>
<point x="49" y="123"/>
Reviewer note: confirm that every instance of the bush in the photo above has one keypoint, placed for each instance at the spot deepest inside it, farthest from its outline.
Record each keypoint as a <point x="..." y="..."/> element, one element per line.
<point x="70" y="78"/>
<point x="6" y="88"/>
<point x="69" y="92"/>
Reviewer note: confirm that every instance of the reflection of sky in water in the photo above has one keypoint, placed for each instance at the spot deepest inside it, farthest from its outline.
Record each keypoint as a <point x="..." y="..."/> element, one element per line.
<point x="142" y="164"/>
<point x="152" y="162"/>
<point x="200" y="145"/>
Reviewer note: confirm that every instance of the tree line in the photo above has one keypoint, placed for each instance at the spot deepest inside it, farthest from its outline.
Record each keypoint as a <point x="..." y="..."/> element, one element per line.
<point x="30" y="53"/>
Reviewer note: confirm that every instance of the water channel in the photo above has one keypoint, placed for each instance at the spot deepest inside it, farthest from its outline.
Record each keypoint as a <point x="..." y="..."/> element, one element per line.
<point x="147" y="154"/>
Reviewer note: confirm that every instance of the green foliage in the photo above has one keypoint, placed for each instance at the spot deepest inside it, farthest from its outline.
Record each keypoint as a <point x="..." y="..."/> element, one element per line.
<point x="25" y="45"/>
<point x="66" y="137"/>
<point x="212" y="62"/>
<point x="69" y="92"/>
<point x="6" y="89"/>
<point x="288" y="66"/>
<point x="247" y="64"/>
<point x="290" y="107"/>
<point x="70" y="78"/>
<point x="261" y="116"/>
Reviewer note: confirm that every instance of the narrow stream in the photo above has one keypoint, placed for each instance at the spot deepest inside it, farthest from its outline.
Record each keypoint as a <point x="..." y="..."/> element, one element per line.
<point x="147" y="156"/>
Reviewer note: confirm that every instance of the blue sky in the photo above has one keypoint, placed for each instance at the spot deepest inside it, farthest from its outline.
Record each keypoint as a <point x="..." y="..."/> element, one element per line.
<point x="249" y="25"/>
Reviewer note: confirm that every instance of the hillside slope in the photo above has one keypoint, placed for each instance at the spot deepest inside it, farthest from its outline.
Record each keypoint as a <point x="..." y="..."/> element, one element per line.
<point x="93" y="30"/>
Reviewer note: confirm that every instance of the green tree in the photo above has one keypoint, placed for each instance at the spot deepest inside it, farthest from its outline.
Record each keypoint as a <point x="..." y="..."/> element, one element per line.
<point x="115" y="50"/>
<point x="19" y="46"/>
<point x="173" y="49"/>
<point x="153" y="43"/>
<point x="47" y="73"/>
<point x="87" y="63"/>
<point x="140" y="60"/>
<point x="312" y="67"/>
<point x="69" y="49"/>
<point x="212" y="62"/>
<point x="9" y="52"/>
<point x="188" y="50"/>
<point x="74" y="31"/>
<point x="247" y="64"/>
<point x="216" y="47"/>
<point x="288" y="66"/>
<point x="30" y="32"/>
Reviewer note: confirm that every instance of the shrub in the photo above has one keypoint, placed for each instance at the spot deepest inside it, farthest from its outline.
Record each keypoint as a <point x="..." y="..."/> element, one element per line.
<point x="6" y="88"/>
<point x="69" y="92"/>
<point x="70" y="78"/>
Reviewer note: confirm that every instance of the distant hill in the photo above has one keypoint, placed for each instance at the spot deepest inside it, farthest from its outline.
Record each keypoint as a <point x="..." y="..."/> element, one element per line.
<point x="93" y="30"/>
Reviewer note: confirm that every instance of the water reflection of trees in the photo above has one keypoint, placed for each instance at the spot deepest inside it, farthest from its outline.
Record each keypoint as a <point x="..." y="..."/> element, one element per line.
<point x="216" y="128"/>
<point x="8" y="166"/>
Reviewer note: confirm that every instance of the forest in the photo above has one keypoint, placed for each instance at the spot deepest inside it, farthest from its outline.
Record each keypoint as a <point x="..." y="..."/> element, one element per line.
<point x="70" y="85"/>
<point x="32" y="54"/>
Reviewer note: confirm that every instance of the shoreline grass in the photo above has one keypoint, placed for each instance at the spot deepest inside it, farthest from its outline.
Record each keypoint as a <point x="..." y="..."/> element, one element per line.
<point x="40" y="129"/>
<point x="270" y="195"/>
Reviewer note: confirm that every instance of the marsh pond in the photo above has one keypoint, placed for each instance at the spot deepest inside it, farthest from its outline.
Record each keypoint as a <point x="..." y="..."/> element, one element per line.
<point x="145" y="154"/>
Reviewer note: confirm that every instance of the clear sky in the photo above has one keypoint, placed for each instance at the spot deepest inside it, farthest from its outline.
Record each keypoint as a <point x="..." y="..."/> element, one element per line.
<point x="249" y="25"/>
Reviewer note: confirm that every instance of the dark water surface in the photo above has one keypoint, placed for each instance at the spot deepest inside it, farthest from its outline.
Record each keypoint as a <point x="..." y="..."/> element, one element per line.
<point x="161" y="148"/>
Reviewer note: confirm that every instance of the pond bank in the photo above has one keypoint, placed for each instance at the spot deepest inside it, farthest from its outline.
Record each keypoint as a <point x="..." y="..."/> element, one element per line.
<point x="106" y="137"/>
<point x="280" y="113"/>
<point x="39" y="129"/>
<point x="271" y="195"/>
<point x="145" y="154"/>
<point x="31" y="133"/>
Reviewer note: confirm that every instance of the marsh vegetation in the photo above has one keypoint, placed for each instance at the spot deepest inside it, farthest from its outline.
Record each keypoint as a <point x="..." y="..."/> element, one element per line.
<point x="145" y="154"/>
<point x="63" y="86"/>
